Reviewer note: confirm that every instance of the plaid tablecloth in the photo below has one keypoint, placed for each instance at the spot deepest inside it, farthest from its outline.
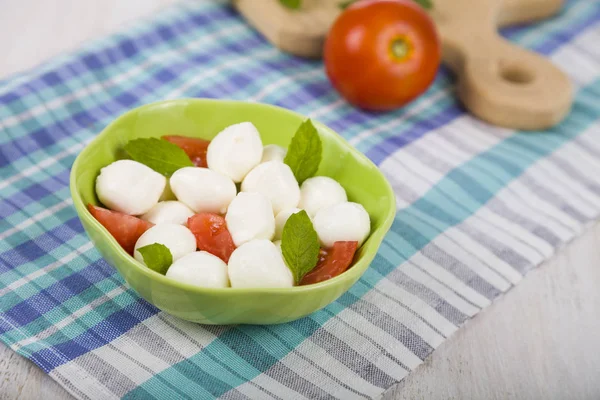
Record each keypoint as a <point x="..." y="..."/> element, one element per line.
<point x="479" y="206"/>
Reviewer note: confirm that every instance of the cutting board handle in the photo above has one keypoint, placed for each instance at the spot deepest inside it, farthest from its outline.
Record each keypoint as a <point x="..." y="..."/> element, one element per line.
<point x="510" y="86"/>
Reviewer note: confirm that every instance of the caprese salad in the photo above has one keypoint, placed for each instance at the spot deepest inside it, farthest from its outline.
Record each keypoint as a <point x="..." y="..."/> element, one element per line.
<point x="176" y="208"/>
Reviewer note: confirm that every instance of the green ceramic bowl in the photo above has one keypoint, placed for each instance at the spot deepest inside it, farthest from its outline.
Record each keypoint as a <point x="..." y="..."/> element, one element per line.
<point x="204" y="118"/>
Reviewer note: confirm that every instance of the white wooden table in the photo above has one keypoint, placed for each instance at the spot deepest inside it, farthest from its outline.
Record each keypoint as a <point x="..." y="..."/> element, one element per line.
<point x="542" y="340"/>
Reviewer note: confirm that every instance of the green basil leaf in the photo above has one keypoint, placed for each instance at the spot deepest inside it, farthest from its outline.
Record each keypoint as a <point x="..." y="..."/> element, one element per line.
<point x="162" y="156"/>
<point x="157" y="257"/>
<point x="345" y="4"/>
<point x="292" y="4"/>
<point x="300" y="245"/>
<point x="426" y="4"/>
<point x="305" y="151"/>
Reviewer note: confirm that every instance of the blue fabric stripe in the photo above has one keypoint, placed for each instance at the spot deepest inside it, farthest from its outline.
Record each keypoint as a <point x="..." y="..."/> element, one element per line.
<point x="126" y="100"/>
<point x="54" y="296"/>
<point x="50" y="135"/>
<point x="387" y="147"/>
<point x="127" y="48"/>
<point x="425" y="204"/>
<point x="99" y="335"/>
<point x="38" y="247"/>
<point x="242" y="353"/>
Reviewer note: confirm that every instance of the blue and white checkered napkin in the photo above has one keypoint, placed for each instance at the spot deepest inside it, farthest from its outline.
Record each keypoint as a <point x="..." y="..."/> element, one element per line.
<point x="479" y="206"/>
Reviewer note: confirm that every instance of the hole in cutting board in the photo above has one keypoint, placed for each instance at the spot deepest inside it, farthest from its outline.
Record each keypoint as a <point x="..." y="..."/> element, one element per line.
<point x="516" y="74"/>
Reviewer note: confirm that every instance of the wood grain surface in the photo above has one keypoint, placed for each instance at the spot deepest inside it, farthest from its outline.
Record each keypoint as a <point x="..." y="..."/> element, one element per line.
<point x="540" y="341"/>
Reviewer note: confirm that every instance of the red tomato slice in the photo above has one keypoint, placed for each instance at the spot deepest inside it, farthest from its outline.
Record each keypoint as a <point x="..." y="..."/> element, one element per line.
<point x="195" y="148"/>
<point x="126" y="229"/>
<point x="331" y="263"/>
<point x="211" y="234"/>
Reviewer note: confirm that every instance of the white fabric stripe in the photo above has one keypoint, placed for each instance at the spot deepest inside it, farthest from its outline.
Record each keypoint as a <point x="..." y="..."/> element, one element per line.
<point x="455" y="250"/>
<point x="587" y="42"/>
<point x="502" y="235"/>
<point x="349" y="335"/>
<point x="127" y="346"/>
<point x="589" y="142"/>
<point x="443" y="284"/>
<point x="323" y="359"/>
<point x="283" y="80"/>
<point x="496" y="221"/>
<point x="419" y="306"/>
<point x="517" y="231"/>
<point x="295" y="367"/>
<point x="314" y="375"/>
<point x="215" y="71"/>
<point x="112" y="355"/>
<point x="415" y="110"/>
<point x="527" y="210"/>
<point x="517" y="204"/>
<point x="190" y="339"/>
<point x="448" y="150"/>
<point x="540" y="176"/>
<point x="44" y="163"/>
<point x="186" y="347"/>
<point x="45" y="270"/>
<point x="480" y="140"/>
<point x="82" y="382"/>
<point x="273" y="386"/>
<point x="476" y="256"/>
<point x="162" y="58"/>
<point x="37" y="217"/>
<point x="187" y="344"/>
<point x="578" y="64"/>
<point x="76" y="393"/>
<point x="446" y="277"/>
<point x="322" y="110"/>
<point x="486" y="256"/>
<point x="574" y="186"/>
<point x="125" y="366"/>
<point x="581" y="69"/>
<point x="404" y="317"/>
<point x="381" y="337"/>
<point x="69" y="319"/>
<point x="585" y="162"/>
<point x="525" y="192"/>
<point x="250" y="390"/>
<point x="548" y="183"/>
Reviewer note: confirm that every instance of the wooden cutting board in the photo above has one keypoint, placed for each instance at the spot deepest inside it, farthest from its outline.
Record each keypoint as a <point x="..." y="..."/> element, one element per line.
<point x="498" y="81"/>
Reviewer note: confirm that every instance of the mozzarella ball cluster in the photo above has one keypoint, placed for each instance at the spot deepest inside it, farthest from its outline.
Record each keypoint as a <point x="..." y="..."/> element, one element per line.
<point x="269" y="194"/>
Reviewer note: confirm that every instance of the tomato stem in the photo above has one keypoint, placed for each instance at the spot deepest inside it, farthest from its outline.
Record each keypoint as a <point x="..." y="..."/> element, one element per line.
<point x="400" y="48"/>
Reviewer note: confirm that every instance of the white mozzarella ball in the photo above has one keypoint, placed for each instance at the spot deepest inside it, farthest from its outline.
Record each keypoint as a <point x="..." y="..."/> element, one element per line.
<point x="168" y="212"/>
<point x="203" y="190"/>
<point x="276" y="181"/>
<point x="342" y="222"/>
<point x="250" y="216"/>
<point x="235" y="151"/>
<point x="200" y="268"/>
<point x="277" y="244"/>
<point x="177" y="238"/>
<point x="281" y="219"/>
<point x="319" y="192"/>
<point x="259" y="264"/>
<point x="129" y="187"/>
<point x="273" y="152"/>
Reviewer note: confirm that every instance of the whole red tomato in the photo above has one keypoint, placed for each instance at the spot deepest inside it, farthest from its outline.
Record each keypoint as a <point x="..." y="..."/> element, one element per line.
<point x="381" y="54"/>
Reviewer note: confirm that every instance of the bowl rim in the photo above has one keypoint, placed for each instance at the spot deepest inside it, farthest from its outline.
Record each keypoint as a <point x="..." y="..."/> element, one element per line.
<point x="353" y="273"/>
